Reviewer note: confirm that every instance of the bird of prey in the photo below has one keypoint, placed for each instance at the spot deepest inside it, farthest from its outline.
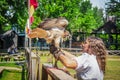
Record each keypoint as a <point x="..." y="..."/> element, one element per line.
<point x="52" y="30"/>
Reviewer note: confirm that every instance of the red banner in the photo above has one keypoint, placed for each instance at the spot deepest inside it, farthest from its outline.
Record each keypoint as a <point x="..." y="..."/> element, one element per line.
<point x="34" y="3"/>
<point x="31" y="19"/>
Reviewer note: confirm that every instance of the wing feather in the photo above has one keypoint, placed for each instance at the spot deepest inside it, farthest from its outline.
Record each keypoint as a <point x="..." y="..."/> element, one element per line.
<point x="49" y="23"/>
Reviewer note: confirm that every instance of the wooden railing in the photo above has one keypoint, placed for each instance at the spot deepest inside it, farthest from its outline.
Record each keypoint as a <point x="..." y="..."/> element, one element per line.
<point x="55" y="74"/>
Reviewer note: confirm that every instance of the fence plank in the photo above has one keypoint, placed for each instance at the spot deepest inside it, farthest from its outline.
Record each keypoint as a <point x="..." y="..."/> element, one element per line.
<point x="56" y="74"/>
<point x="34" y="71"/>
<point x="44" y="73"/>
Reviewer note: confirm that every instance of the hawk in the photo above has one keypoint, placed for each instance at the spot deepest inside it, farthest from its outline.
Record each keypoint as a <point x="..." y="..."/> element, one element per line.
<point x="51" y="29"/>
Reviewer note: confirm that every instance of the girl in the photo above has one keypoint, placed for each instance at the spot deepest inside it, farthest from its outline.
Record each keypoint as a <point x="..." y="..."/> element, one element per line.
<point x="90" y="65"/>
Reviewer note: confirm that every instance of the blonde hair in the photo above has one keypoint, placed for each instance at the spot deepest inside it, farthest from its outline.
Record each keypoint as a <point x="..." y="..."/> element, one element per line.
<point x="98" y="48"/>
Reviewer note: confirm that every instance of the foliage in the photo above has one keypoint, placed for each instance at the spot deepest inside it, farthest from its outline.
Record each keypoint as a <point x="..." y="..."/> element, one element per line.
<point x="113" y="9"/>
<point x="80" y="14"/>
<point x="3" y="8"/>
<point x="98" y="16"/>
<point x="13" y="12"/>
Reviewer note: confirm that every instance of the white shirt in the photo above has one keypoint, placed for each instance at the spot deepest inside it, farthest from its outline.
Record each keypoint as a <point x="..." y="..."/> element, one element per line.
<point x="87" y="68"/>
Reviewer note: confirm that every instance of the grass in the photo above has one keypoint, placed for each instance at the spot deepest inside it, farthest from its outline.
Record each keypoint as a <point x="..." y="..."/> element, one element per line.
<point x="113" y="72"/>
<point x="10" y="75"/>
<point x="112" y="68"/>
<point x="10" y="65"/>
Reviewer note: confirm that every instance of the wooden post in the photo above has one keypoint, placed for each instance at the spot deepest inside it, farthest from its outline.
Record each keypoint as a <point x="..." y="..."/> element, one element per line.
<point x="33" y="65"/>
<point x="34" y="61"/>
<point x="38" y="71"/>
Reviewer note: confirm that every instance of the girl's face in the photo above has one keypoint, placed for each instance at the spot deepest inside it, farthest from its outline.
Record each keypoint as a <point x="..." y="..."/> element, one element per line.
<point x="86" y="46"/>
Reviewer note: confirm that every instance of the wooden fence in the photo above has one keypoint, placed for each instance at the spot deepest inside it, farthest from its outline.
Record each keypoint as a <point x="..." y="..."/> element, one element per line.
<point x="33" y="69"/>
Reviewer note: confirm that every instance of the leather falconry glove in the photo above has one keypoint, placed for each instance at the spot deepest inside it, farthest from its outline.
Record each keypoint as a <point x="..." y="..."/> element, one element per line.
<point x="55" y="51"/>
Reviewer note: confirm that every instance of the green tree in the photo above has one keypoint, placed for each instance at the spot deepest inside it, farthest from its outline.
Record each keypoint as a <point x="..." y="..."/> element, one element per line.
<point x="113" y="9"/>
<point x="98" y="16"/>
<point x="19" y="12"/>
<point x="3" y="17"/>
<point x="13" y="13"/>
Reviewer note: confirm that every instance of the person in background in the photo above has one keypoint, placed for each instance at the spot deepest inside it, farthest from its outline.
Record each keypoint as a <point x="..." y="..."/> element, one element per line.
<point x="88" y="66"/>
<point x="12" y="49"/>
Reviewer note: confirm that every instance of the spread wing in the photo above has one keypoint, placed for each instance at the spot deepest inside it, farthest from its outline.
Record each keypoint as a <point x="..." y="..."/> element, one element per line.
<point x="49" y="23"/>
<point x="51" y="29"/>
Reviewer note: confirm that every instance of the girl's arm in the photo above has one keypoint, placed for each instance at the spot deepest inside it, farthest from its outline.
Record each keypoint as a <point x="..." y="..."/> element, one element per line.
<point x="67" y="59"/>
